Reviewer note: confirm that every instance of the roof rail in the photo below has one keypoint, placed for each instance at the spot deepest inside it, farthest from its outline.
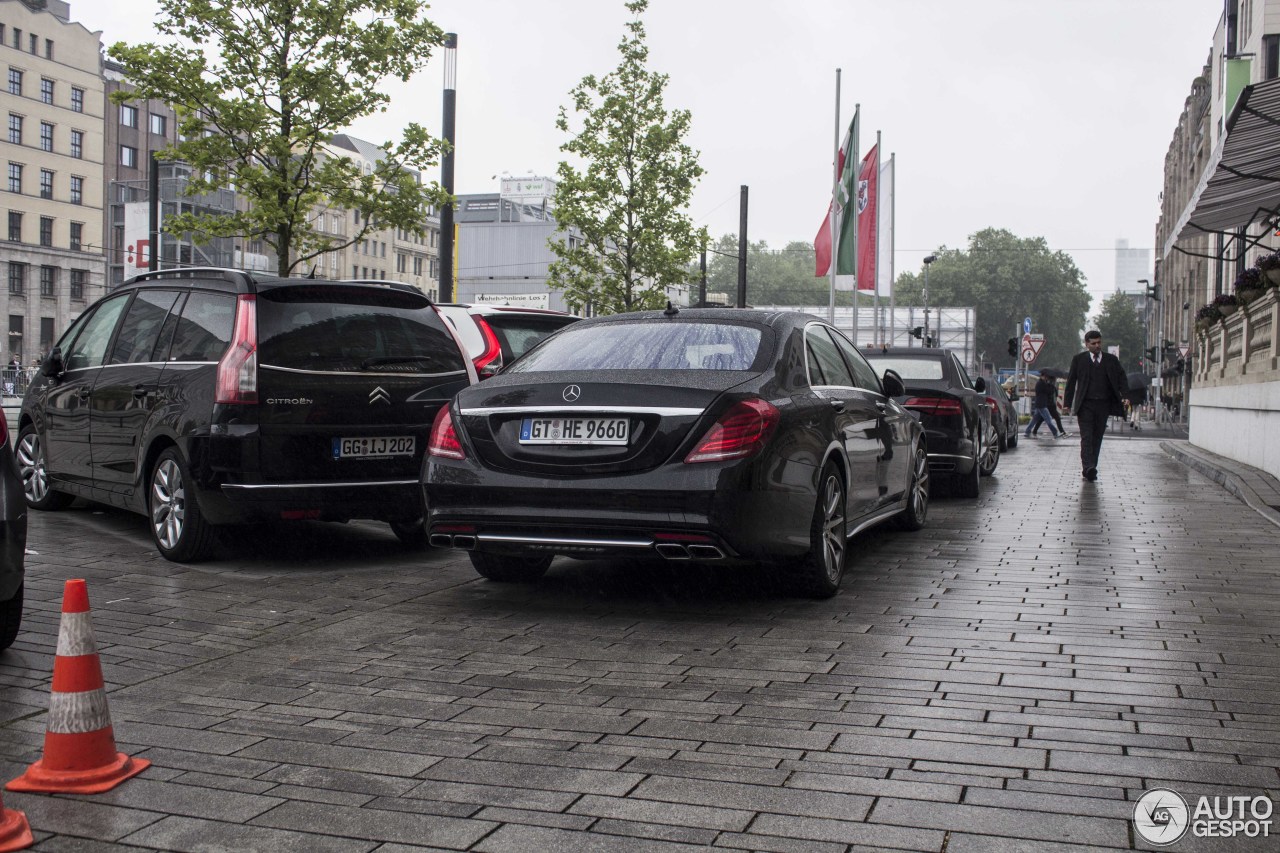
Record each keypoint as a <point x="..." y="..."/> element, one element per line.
<point x="223" y="273"/>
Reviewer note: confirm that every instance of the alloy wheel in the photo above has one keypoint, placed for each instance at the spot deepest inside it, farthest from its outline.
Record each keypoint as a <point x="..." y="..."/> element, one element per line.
<point x="920" y="485"/>
<point x="35" y="477"/>
<point x="833" y="539"/>
<point x="168" y="503"/>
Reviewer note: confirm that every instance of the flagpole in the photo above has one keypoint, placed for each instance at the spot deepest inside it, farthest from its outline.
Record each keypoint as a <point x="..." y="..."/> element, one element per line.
<point x="853" y="201"/>
<point x="876" y="336"/>
<point x="835" y="188"/>
<point x="893" y="170"/>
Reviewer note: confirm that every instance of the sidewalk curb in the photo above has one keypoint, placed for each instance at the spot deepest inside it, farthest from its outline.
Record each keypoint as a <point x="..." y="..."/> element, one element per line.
<point x="1258" y="489"/>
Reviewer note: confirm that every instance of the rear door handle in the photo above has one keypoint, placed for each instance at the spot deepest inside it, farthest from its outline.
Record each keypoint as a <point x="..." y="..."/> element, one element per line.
<point x="140" y="391"/>
<point x="838" y="405"/>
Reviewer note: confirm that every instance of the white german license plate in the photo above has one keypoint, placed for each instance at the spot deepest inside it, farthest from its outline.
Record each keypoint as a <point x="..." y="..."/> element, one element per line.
<point x="370" y="446"/>
<point x="574" y="430"/>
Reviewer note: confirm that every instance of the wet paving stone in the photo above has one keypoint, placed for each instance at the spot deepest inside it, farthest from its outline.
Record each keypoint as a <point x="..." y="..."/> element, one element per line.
<point x="1013" y="677"/>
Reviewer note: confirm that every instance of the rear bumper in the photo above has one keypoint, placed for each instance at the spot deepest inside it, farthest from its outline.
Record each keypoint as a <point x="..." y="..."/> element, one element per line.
<point x="385" y="500"/>
<point x="698" y="509"/>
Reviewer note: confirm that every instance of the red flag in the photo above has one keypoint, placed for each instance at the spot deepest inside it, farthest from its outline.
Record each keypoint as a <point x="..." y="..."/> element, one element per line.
<point x="868" y="225"/>
<point x="822" y="242"/>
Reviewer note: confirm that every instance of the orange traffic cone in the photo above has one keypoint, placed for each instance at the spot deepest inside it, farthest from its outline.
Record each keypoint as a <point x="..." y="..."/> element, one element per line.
<point x="79" y="747"/>
<point x="15" y="834"/>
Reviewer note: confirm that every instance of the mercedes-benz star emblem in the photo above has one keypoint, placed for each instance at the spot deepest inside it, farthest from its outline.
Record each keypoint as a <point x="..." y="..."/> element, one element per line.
<point x="379" y="395"/>
<point x="571" y="393"/>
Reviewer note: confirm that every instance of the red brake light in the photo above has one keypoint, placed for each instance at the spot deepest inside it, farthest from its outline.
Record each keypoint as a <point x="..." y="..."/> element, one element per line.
<point x="4" y="429"/>
<point x="741" y="431"/>
<point x="489" y="362"/>
<point x="991" y="401"/>
<point x="934" y="405"/>
<point x="444" y="440"/>
<point x="238" y="368"/>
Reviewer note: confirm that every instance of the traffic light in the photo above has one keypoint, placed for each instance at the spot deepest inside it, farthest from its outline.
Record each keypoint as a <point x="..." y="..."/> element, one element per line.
<point x="1013" y="346"/>
<point x="917" y="332"/>
<point x="1151" y="353"/>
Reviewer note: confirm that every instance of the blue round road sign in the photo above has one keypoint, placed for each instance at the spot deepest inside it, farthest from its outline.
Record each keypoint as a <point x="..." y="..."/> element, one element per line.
<point x="1026" y="325"/>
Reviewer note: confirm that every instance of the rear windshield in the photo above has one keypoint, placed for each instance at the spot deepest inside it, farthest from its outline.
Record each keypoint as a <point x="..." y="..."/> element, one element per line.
<point x="344" y="329"/>
<point x="517" y="333"/>
<point x="657" y="345"/>
<point x="907" y="368"/>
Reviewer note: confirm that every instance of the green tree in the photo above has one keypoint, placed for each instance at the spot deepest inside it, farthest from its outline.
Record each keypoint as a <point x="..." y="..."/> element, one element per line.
<point x="260" y="87"/>
<point x="1006" y="278"/>
<point x="774" y="277"/>
<point x="1120" y="326"/>
<point x="624" y="233"/>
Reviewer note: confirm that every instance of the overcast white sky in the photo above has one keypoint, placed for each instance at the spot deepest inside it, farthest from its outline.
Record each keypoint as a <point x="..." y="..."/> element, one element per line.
<point x="1050" y="118"/>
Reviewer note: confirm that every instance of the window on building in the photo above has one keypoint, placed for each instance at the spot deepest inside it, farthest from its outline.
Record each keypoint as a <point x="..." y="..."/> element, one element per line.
<point x="48" y="48"/>
<point x="77" y="99"/>
<point x="46" y="230"/>
<point x="1270" y="57"/>
<point x="77" y="235"/>
<point x="129" y="156"/>
<point x="78" y="280"/>
<point x="1" y="33"/>
<point x="417" y="266"/>
<point x="35" y="43"/>
<point x="159" y="124"/>
<point x="401" y="262"/>
<point x="15" y="81"/>
<point x="46" y="136"/>
<point x="15" y="226"/>
<point x="17" y="279"/>
<point x="15" y="177"/>
<point x="46" y="183"/>
<point x="46" y="334"/>
<point x="355" y="271"/>
<point x="15" y="332"/>
<point x="77" y="190"/>
<point x="48" y="281"/>
<point x="128" y="115"/>
<point x="77" y="144"/>
<point x="15" y="129"/>
<point x="384" y="250"/>
<point x="46" y="90"/>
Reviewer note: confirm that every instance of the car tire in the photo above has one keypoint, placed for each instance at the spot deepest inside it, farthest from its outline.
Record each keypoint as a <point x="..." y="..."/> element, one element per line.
<point x="822" y="567"/>
<point x="412" y="534"/>
<point x="990" y="457"/>
<point x="10" y="619"/>
<point x="967" y="483"/>
<point x="34" y="468"/>
<point x="178" y="528"/>
<point x="916" y="512"/>
<point x="508" y="568"/>
<point x="1012" y="441"/>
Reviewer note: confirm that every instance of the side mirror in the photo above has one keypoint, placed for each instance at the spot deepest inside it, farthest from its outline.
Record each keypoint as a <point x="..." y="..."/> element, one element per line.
<point x="980" y="385"/>
<point x="52" y="365"/>
<point x="892" y="384"/>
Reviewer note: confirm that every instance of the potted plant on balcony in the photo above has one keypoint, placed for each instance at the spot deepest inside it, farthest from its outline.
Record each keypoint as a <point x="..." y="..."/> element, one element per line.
<point x="1269" y="266"/>
<point x="1249" y="285"/>
<point x="1226" y="303"/>
<point x="1207" y="316"/>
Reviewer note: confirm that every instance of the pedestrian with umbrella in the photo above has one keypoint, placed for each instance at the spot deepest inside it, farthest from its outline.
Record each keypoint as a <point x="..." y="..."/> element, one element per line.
<point x="1136" y="397"/>
<point x="1053" y="374"/>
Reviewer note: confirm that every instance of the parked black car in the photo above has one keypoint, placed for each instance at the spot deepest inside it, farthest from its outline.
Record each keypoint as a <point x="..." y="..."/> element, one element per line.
<point x="1004" y="416"/>
<point x="13" y="540"/>
<point x="211" y="397"/>
<point x="702" y="434"/>
<point x="953" y="409"/>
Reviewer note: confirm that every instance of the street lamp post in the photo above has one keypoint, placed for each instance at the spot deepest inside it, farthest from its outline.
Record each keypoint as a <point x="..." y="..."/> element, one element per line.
<point x="927" y="260"/>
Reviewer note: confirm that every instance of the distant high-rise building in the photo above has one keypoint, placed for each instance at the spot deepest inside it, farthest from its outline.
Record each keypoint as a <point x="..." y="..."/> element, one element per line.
<point x="1132" y="265"/>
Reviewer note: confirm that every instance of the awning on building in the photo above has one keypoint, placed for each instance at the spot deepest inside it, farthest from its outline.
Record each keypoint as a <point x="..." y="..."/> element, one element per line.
<point x="1241" y="182"/>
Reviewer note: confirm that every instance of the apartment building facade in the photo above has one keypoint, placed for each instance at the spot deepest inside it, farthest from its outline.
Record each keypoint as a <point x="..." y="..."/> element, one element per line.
<point x="53" y="103"/>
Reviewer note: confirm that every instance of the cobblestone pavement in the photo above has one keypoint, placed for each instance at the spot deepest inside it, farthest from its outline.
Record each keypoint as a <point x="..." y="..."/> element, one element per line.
<point x="1010" y="679"/>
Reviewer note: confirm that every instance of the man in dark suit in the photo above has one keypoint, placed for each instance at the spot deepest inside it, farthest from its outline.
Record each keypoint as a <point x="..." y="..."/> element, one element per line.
<point x="1096" y="387"/>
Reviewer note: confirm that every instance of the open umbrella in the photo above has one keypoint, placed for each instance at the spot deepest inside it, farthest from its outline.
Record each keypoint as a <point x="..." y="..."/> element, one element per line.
<point x="1138" y="383"/>
<point x="1053" y="372"/>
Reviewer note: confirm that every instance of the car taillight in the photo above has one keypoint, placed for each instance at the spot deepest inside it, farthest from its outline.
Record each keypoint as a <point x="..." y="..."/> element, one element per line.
<point x="238" y="368"/>
<point x="444" y="440"/>
<point x="933" y="405"/>
<point x="741" y="431"/>
<point x="489" y="362"/>
<point x="991" y="401"/>
<point x="4" y="429"/>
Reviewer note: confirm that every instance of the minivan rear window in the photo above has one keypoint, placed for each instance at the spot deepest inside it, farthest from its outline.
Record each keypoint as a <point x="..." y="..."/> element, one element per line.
<point x="517" y="333"/>
<point x="659" y="345"/>
<point x="346" y="329"/>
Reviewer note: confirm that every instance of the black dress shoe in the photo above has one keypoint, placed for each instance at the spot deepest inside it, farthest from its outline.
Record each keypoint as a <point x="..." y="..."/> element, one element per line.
<point x="1091" y="474"/>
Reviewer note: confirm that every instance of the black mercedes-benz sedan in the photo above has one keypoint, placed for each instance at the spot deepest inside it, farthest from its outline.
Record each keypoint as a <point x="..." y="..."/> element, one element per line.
<point x="699" y="434"/>
<point x="963" y="443"/>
